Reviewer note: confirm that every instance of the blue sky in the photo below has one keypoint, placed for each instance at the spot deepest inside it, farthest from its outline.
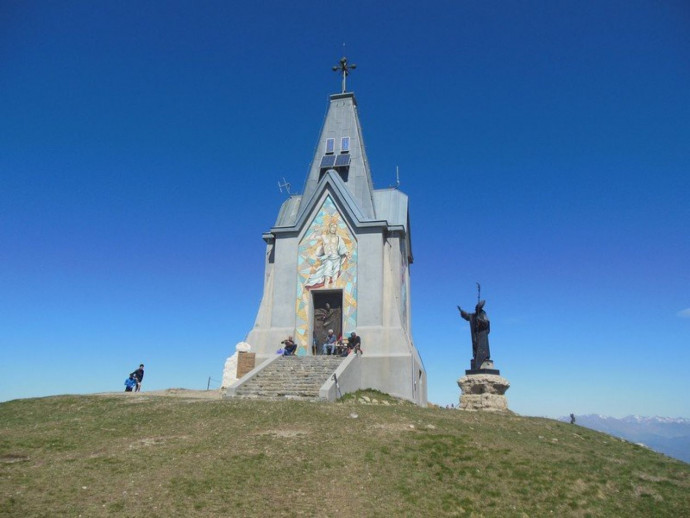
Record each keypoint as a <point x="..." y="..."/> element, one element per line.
<point x="544" y="147"/>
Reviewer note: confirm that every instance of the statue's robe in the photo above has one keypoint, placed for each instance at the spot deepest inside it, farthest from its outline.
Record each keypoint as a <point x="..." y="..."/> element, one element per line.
<point x="480" y="327"/>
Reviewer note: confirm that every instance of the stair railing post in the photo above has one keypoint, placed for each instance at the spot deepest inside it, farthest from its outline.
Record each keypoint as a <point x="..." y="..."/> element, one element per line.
<point x="337" y="386"/>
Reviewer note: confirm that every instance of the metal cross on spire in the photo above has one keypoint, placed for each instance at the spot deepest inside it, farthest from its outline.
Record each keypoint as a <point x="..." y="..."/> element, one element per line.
<point x="345" y="69"/>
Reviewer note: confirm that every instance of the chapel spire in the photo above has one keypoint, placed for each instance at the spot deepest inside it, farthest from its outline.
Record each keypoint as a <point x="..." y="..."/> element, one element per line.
<point x="341" y="150"/>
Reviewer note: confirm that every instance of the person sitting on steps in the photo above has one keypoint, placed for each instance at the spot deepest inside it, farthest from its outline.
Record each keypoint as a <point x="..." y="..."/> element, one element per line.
<point x="354" y="343"/>
<point x="289" y="346"/>
<point x="329" y="345"/>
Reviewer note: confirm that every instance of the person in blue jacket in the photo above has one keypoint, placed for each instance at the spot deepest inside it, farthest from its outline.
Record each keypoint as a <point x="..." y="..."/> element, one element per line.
<point x="130" y="383"/>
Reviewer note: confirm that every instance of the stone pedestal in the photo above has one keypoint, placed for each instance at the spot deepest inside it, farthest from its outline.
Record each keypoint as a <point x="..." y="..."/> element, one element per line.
<point x="245" y="363"/>
<point x="483" y="391"/>
<point x="230" y="374"/>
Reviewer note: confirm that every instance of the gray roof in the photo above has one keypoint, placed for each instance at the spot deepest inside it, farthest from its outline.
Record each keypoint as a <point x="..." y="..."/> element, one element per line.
<point x="391" y="205"/>
<point x="297" y="209"/>
<point x="288" y="211"/>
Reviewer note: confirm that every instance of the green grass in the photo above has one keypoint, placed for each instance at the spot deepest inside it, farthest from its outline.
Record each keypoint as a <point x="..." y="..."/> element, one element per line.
<point x="140" y="455"/>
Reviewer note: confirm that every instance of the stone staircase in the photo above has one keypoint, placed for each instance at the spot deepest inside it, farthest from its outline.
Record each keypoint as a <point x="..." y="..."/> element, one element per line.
<point x="292" y="377"/>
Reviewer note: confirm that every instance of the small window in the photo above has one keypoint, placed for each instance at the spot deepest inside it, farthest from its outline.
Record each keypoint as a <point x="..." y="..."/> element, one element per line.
<point x="330" y="146"/>
<point x="345" y="145"/>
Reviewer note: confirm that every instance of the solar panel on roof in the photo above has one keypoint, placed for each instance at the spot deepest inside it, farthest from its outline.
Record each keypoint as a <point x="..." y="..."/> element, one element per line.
<point x="342" y="160"/>
<point x="327" y="161"/>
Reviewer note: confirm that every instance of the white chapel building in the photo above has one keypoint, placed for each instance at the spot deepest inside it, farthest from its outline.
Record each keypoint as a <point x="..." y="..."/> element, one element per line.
<point x="338" y="257"/>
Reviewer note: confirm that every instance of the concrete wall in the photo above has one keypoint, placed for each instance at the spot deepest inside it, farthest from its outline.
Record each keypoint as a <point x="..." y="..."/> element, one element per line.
<point x="276" y="316"/>
<point x="400" y="376"/>
<point x="370" y="280"/>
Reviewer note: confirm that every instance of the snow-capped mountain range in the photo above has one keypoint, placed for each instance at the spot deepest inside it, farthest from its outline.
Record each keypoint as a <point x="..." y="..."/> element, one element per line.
<point x="657" y="419"/>
<point x="667" y="435"/>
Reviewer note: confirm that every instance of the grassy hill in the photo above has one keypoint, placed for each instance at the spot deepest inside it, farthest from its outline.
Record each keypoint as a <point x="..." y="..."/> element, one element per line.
<point x="156" y="456"/>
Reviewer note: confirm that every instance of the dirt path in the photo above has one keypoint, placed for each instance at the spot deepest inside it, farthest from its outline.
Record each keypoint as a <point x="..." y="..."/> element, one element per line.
<point x="173" y="392"/>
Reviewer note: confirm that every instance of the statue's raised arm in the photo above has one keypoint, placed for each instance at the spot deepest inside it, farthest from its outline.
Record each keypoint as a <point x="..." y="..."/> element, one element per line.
<point x="463" y="314"/>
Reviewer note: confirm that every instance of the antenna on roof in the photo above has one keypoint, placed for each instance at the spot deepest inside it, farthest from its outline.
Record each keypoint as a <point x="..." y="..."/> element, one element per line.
<point x="284" y="185"/>
<point x="397" y="179"/>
